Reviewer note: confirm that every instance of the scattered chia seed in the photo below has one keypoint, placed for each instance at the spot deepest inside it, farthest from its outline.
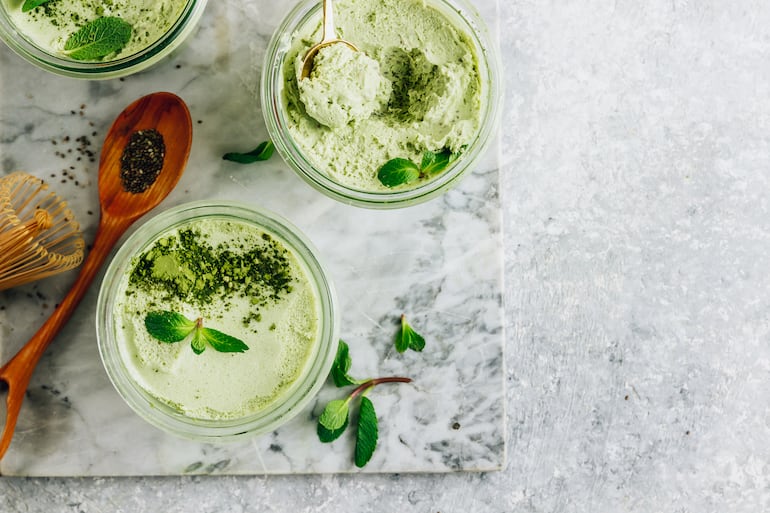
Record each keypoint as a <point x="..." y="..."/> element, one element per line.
<point x="142" y="160"/>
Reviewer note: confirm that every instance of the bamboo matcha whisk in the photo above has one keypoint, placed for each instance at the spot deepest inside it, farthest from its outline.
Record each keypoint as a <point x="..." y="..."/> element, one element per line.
<point x="39" y="236"/>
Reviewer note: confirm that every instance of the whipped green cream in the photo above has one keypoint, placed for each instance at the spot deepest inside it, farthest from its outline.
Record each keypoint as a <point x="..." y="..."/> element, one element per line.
<point x="343" y="86"/>
<point x="51" y="24"/>
<point x="427" y="68"/>
<point x="277" y="317"/>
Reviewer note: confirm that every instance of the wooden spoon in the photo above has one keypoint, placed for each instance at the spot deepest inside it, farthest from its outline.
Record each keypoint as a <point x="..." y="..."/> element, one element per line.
<point x="164" y="112"/>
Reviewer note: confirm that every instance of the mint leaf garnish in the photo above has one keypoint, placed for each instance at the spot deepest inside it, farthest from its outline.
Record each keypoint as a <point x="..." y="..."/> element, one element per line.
<point x="401" y="171"/>
<point x="168" y="326"/>
<point x="262" y="152"/>
<point x="222" y="342"/>
<point x="407" y="338"/>
<point x="198" y="344"/>
<point x="173" y="327"/>
<point x="366" y="435"/>
<point x="398" y="171"/>
<point x="31" y="4"/>
<point x="98" y="38"/>
<point x="341" y="366"/>
<point x="433" y="163"/>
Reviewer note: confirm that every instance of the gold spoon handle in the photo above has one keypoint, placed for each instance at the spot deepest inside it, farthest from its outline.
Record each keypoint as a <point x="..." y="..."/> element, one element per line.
<point x="329" y="33"/>
<point x="18" y="371"/>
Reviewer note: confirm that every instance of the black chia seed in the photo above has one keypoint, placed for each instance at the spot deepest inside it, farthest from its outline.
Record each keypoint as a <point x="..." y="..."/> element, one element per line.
<point x="142" y="160"/>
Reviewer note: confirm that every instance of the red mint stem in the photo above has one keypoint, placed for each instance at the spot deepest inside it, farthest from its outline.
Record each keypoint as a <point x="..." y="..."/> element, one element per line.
<point x="366" y="385"/>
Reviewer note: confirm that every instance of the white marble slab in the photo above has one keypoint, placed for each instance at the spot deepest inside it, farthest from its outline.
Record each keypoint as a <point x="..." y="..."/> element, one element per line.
<point x="448" y="280"/>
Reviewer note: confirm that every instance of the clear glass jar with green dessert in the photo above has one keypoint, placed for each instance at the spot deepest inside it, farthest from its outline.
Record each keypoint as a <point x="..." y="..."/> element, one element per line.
<point x="396" y="123"/>
<point x="215" y="321"/>
<point x="96" y="39"/>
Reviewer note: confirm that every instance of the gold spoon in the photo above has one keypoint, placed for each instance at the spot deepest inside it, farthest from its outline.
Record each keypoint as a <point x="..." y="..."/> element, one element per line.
<point x="164" y="112"/>
<point x="328" y="37"/>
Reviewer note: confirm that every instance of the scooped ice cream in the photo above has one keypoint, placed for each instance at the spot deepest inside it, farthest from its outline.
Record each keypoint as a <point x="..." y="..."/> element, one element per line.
<point x="343" y="86"/>
<point x="427" y="68"/>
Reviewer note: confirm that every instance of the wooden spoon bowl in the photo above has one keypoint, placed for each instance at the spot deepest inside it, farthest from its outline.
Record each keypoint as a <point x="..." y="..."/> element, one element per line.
<point x="164" y="112"/>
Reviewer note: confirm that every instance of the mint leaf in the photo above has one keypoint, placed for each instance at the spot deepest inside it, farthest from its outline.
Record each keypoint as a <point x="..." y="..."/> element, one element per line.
<point x="407" y="338"/>
<point x="335" y="414"/>
<point x="366" y="435"/>
<point x="398" y="171"/>
<point x="198" y="343"/>
<point x="31" y="4"/>
<point x="341" y="366"/>
<point x="329" y="435"/>
<point x="262" y="152"/>
<point x="433" y="163"/>
<point x="222" y="342"/>
<point x="98" y="39"/>
<point x="168" y="326"/>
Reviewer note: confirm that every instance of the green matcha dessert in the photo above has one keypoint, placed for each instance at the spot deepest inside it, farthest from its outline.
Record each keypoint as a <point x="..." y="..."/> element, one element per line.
<point x="216" y="318"/>
<point x="93" y="30"/>
<point x="414" y="89"/>
<point x="344" y="86"/>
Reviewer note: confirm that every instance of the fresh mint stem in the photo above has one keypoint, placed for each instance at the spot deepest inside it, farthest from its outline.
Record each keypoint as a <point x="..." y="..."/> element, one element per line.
<point x="336" y="414"/>
<point x="363" y="387"/>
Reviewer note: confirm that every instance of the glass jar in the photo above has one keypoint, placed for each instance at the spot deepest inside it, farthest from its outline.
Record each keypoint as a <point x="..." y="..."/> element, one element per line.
<point x="308" y="14"/>
<point x="122" y="370"/>
<point x="58" y="63"/>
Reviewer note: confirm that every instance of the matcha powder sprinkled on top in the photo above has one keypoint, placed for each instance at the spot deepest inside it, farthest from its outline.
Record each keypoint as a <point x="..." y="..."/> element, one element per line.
<point x="187" y="267"/>
<point x="142" y="160"/>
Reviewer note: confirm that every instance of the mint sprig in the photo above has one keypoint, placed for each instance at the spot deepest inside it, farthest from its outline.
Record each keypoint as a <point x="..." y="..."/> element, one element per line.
<point x="400" y="171"/>
<point x="171" y="327"/>
<point x="407" y="338"/>
<point x="31" y="4"/>
<point x="98" y="38"/>
<point x="262" y="152"/>
<point x="336" y="414"/>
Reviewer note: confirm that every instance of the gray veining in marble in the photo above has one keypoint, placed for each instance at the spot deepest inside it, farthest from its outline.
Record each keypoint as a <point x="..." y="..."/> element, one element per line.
<point x="440" y="263"/>
<point x="635" y="201"/>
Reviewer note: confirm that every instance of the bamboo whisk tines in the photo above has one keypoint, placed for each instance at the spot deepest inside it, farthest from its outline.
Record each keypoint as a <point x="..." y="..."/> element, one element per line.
<point x="39" y="236"/>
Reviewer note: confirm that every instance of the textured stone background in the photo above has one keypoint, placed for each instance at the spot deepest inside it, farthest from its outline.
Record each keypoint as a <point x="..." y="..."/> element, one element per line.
<point x="635" y="184"/>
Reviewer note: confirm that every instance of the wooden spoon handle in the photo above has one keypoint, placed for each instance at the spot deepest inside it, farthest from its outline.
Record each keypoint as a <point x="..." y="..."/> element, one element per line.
<point x="18" y="371"/>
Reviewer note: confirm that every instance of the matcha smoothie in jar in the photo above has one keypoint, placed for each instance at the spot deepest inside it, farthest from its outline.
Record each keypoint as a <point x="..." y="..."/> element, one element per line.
<point x="395" y="123"/>
<point x="216" y="321"/>
<point x="94" y="38"/>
